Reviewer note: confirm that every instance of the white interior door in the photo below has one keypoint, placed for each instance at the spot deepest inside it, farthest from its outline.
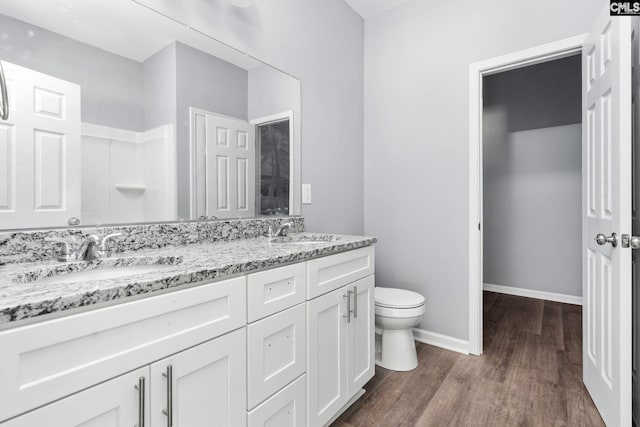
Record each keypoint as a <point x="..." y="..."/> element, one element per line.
<point x="606" y="159"/>
<point x="635" y="213"/>
<point x="230" y="167"/>
<point x="39" y="150"/>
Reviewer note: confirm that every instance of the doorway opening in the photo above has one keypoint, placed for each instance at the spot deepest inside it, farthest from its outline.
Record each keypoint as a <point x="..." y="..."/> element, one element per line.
<point x="273" y="153"/>
<point x="274" y="163"/>
<point x="532" y="181"/>
<point x="477" y="73"/>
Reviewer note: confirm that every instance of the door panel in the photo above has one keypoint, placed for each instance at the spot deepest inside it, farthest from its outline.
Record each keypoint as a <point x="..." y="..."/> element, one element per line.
<point x="39" y="150"/>
<point x="606" y="97"/>
<point x="230" y="166"/>
<point x="327" y="357"/>
<point x="209" y="383"/>
<point x="114" y="403"/>
<point x="635" y="215"/>
<point x="361" y="335"/>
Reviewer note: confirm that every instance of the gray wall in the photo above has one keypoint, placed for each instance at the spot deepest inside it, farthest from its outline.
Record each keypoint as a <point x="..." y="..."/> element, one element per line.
<point x="320" y="42"/>
<point x="159" y="88"/>
<point x="111" y="85"/>
<point x="417" y="134"/>
<point x="532" y="177"/>
<point x="206" y="82"/>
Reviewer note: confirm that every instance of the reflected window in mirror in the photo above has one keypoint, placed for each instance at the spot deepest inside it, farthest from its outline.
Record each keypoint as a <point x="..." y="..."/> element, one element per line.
<point x="274" y="142"/>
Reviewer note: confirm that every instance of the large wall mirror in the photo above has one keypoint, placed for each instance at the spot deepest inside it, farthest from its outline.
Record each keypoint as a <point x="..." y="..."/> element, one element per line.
<point x="120" y="114"/>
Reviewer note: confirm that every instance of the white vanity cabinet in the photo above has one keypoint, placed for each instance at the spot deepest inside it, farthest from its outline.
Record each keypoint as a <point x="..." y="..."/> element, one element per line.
<point x="276" y="347"/>
<point x="204" y="385"/>
<point x="340" y="331"/>
<point x="46" y="361"/>
<point x="284" y="347"/>
<point x="115" y="403"/>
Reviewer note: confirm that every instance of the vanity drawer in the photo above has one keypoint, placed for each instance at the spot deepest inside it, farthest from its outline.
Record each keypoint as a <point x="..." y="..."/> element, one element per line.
<point x="274" y="290"/>
<point x="287" y="408"/>
<point x="276" y="353"/>
<point x="46" y="361"/>
<point x="332" y="272"/>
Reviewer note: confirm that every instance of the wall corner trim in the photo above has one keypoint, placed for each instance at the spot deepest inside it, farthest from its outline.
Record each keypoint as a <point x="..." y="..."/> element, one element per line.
<point x="442" y="341"/>
<point x="530" y="293"/>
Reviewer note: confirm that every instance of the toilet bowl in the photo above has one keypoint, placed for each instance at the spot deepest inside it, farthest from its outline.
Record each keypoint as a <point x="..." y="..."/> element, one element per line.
<point x="397" y="311"/>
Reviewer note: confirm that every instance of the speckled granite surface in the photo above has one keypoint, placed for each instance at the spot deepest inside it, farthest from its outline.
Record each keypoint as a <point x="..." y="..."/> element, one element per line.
<point x="28" y="246"/>
<point x="23" y="298"/>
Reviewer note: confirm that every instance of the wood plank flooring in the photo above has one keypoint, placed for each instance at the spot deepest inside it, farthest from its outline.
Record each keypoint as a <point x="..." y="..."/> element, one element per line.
<point x="529" y="375"/>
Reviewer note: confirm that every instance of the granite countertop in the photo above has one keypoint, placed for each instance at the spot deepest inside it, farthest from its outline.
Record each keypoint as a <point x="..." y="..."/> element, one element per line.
<point x="29" y="290"/>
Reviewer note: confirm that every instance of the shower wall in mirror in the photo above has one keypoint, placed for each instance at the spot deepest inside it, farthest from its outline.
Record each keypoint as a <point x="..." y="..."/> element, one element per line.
<point x="119" y="114"/>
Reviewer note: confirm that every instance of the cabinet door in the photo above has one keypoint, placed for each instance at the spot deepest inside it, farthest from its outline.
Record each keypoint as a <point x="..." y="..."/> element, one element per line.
<point x="114" y="403"/>
<point x="327" y="356"/>
<point x="287" y="408"/>
<point x="361" y="334"/>
<point x="276" y="353"/>
<point x="204" y="386"/>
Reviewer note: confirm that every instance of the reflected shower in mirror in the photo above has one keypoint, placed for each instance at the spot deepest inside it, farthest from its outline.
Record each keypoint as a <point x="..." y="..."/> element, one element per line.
<point x="153" y="122"/>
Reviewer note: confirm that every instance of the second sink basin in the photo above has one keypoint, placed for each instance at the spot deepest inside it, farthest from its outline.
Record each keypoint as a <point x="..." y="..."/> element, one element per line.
<point x="104" y="273"/>
<point x="305" y="239"/>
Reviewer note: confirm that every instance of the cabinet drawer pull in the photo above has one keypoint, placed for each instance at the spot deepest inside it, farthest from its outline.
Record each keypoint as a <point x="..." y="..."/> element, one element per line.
<point x="141" y="399"/>
<point x="169" y="410"/>
<point x="348" y="315"/>
<point x="355" y="302"/>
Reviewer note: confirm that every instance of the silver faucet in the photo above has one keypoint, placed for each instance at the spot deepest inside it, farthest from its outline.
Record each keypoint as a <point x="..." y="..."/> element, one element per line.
<point x="88" y="250"/>
<point x="281" y="230"/>
<point x="92" y="248"/>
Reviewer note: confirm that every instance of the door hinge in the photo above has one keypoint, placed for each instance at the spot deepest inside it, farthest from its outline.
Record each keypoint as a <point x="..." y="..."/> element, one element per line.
<point x="478" y="226"/>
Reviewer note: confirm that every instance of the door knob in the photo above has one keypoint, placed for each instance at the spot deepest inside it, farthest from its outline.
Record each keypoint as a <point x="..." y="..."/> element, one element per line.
<point x="632" y="242"/>
<point x="601" y="239"/>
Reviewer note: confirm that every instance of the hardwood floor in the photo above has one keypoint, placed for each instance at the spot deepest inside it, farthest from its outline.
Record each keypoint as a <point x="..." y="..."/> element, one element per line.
<point x="529" y="375"/>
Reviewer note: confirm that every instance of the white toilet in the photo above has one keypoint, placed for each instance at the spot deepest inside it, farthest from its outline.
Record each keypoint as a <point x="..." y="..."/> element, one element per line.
<point x="397" y="312"/>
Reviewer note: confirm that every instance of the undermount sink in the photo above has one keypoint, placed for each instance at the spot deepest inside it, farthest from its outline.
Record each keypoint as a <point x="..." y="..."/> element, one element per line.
<point x="104" y="273"/>
<point x="306" y="239"/>
<point x="306" y="242"/>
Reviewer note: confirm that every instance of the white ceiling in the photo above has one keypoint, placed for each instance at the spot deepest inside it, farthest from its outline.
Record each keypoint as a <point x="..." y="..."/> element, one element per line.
<point x="123" y="27"/>
<point x="370" y="8"/>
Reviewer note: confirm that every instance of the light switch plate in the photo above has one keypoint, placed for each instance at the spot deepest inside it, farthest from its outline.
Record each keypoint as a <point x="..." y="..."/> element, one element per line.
<point x="306" y="194"/>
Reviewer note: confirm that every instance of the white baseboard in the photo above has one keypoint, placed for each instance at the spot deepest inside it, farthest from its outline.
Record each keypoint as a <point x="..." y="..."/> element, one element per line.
<point x="549" y="296"/>
<point x="439" y="340"/>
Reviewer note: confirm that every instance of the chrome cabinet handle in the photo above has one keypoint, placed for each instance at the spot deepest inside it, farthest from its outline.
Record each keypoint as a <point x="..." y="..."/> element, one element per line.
<point x="355" y="302"/>
<point x="169" y="410"/>
<point x="602" y="240"/>
<point x="5" y="98"/>
<point x="140" y="388"/>
<point x="348" y="315"/>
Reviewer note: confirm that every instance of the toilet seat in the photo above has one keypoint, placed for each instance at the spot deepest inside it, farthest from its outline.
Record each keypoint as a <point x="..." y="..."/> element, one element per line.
<point x="397" y="298"/>
<point x="383" y="311"/>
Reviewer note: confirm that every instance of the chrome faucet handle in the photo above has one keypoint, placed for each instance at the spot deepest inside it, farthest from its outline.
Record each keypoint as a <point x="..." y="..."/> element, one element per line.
<point x="282" y="229"/>
<point x="88" y="250"/>
<point x="64" y="254"/>
<point x="104" y="244"/>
